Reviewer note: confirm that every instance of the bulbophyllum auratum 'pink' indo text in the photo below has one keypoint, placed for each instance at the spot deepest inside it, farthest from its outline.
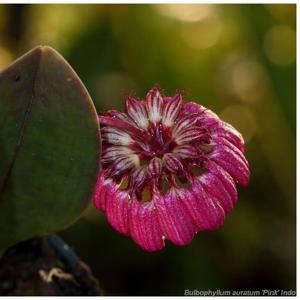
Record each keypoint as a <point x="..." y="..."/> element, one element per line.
<point x="169" y="169"/>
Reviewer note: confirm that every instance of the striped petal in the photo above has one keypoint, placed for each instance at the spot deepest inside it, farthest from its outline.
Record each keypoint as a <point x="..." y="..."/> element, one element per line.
<point x="175" y="221"/>
<point x="123" y="164"/>
<point x="171" y="110"/>
<point x="110" y="154"/>
<point x="206" y="212"/>
<point x="172" y="163"/>
<point x="116" y="136"/>
<point x="217" y="127"/>
<point x="231" y="162"/>
<point x="187" y="152"/>
<point x="117" y="210"/>
<point x="226" y="179"/>
<point x="137" y="111"/>
<point x="103" y="188"/>
<point x="187" y="135"/>
<point x="154" y="104"/>
<point x="144" y="226"/>
<point x="215" y="189"/>
<point x="155" y="167"/>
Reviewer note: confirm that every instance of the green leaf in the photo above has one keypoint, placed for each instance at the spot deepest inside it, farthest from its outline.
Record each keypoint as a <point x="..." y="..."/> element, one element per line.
<point x="49" y="146"/>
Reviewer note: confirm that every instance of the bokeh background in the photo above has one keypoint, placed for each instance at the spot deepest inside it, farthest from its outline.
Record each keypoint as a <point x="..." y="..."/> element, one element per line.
<point x="238" y="60"/>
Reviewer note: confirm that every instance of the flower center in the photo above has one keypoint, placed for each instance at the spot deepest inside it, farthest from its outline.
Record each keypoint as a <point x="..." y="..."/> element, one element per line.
<point x="153" y="145"/>
<point x="160" y="143"/>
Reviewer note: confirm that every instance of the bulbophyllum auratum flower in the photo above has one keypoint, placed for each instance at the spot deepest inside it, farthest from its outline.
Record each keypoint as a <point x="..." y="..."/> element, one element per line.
<point x="169" y="169"/>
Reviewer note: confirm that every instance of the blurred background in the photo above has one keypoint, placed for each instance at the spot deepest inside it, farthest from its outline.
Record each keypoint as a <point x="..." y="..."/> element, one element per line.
<point x="239" y="61"/>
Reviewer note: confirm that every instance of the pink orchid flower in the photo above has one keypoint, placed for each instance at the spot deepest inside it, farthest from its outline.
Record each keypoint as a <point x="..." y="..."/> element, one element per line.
<point x="169" y="170"/>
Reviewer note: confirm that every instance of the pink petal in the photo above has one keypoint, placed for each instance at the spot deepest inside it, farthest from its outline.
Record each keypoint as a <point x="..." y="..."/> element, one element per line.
<point x="176" y="223"/>
<point x="154" y="104"/>
<point x="226" y="179"/>
<point x="103" y="189"/>
<point x="172" y="163"/>
<point x="137" y="179"/>
<point x="223" y="142"/>
<point x="189" y="134"/>
<point x="137" y="111"/>
<point x="206" y="212"/>
<point x="216" y="190"/>
<point x="117" y="210"/>
<point x="187" y="151"/>
<point x="144" y="227"/>
<point x="123" y="164"/>
<point x="171" y="110"/>
<point x="111" y="153"/>
<point x="232" y="163"/>
<point x="121" y="116"/>
<point x="217" y="127"/>
<point x="116" y="136"/>
<point x="155" y="167"/>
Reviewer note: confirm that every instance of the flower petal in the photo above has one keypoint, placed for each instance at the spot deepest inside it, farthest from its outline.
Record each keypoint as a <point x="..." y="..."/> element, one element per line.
<point x="189" y="134"/>
<point x="144" y="226"/>
<point x="216" y="126"/>
<point x="186" y="152"/>
<point x="117" y="210"/>
<point x="226" y="179"/>
<point x="154" y="104"/>
<point x="137" y="111"/>
<point x="123" y="164"/>
<point x="103" y="188"/>
<point x="110" y="154"/>
<point x="232" y="163"/>
<point x="216" y="190"/>
<point x="206" y="213"/>
<point x="223" y="142"/>
<point x="175" y="221"/>
<point x="171" y="110"/>
<point x="138" y="179"/>
<point x="155" y="167"/>
<point x="172" y="163"/>
<point x="116" y="136"/>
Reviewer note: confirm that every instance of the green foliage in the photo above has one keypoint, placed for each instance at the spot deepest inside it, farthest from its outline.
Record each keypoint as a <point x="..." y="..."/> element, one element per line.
<point x="49" y="146"/>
